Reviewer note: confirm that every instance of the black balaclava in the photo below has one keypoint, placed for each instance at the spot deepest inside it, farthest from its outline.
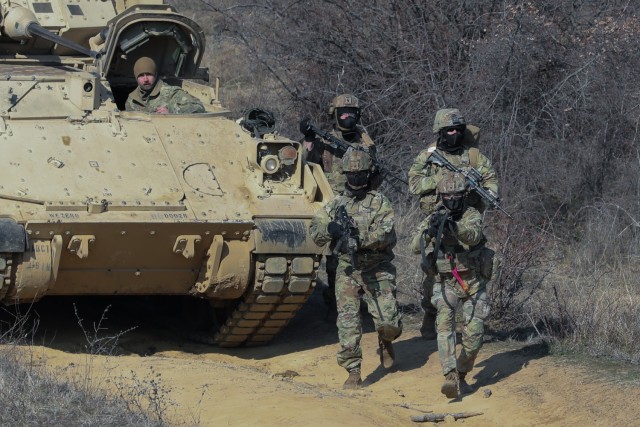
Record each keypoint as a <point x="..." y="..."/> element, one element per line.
<point x="454" y="203"/>
<point x="451" y="143"/>
<point x="347" y="118"/>
<point x="357" y="182"/>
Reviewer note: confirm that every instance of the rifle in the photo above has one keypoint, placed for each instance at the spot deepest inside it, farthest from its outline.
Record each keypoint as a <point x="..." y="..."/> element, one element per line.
<point x="349" y="240"/>
<point x="338" y="144"/>
<point x="473" y="177"/>
<point x="440" y="219"/>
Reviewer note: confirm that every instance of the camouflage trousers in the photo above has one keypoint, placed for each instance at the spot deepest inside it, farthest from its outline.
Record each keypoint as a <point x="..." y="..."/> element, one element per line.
<point x="427" y="293"/>
<point x="475" y="309"/>
<point x="377" y="287"/>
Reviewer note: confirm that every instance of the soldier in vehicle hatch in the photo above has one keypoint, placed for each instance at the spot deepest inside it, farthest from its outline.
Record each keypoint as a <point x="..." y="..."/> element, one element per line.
<point x="154" y="96"/>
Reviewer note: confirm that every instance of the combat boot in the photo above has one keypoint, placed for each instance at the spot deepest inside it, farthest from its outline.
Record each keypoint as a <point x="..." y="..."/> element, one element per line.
<point x="354" y="381"/>
<point x="465" y="388"/>
<point x="387" y="355"/>
<point x="428" y="328"/>
<point x="451" y="386"/>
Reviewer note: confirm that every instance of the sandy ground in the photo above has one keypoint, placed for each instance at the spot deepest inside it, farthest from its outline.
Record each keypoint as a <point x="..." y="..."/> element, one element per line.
<point x="295" y="380"/>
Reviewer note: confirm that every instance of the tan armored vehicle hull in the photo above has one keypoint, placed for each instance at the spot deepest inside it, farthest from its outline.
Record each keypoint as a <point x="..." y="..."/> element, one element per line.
<point x="99" y="201"/>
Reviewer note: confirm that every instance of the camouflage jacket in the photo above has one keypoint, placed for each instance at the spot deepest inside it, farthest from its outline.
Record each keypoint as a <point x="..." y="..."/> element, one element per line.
<point x="424" y="177"/>
<point x="163" y="95"/>
<point x="374" y="218"/>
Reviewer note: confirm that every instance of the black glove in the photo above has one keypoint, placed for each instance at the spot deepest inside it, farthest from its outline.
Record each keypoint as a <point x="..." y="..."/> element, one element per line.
<point x="432" y="231"/>
<point x="450" y="227"/>
<point x="435" y="219"/>
<point x="305" y="129"/>
<point x="451" y="224"/>
<point x="335" y="230"/>
<point x="434" y="223"/>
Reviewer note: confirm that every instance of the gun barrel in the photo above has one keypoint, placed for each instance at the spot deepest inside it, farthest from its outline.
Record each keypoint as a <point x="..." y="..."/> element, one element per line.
<point x="34" y="29"/>
<point x="20" y="23"/>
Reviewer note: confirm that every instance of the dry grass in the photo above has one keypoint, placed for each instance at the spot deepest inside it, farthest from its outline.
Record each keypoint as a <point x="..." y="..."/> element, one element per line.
<point x="34" y="395"/>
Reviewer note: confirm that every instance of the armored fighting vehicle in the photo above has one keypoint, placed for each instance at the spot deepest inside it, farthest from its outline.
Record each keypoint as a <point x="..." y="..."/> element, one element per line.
<point x="95" y="200"/>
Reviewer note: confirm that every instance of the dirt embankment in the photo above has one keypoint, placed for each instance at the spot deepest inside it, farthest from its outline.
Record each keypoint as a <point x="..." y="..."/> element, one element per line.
<point x="296" y="381"/>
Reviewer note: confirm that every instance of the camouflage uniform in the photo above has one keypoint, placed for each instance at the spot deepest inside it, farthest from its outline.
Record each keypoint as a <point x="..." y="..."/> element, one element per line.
<point x="462" y="253"/>
<point x="163" y="95"/>
<point x="424" y="177"/>
<point x="329" y="159"/>
<point x="372" y="276"/>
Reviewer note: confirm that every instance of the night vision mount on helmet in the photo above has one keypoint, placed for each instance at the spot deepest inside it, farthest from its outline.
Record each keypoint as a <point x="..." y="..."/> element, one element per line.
<point x="446" y="118"/>
<point x="342" y="101"/>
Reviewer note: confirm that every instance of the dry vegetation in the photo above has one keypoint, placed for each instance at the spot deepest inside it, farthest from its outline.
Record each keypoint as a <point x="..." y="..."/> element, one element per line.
<point x="34" y="395"/>
<point x="553" y="86"/>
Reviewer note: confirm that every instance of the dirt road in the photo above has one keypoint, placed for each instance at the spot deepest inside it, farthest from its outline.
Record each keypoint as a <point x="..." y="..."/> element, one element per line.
<point x="295" y="381"/>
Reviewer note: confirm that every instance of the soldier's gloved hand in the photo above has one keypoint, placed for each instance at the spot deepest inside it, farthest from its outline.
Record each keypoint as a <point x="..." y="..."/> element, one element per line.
<point x="434" y="223"/>
<point x="435" y="218"/>
<point x="305" y="129"/>
<point x="432" y="231"/>
<point x="335" y="230"/>
<point x="450" y="227"/>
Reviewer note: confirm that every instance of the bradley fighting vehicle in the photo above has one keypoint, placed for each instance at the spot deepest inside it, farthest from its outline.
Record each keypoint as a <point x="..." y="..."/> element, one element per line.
<point x="95" y="200"/>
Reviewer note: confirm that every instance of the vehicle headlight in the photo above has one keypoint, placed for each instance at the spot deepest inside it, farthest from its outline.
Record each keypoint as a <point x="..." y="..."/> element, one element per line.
<point x="270" y="164"/>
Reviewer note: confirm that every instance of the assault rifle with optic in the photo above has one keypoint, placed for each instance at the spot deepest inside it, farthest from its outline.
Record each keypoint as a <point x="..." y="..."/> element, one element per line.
<point x="473" y="177"/>
<point x="338" y="144"/>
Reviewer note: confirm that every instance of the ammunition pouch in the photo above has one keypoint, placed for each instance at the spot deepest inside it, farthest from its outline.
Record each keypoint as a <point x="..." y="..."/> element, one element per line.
<point x="478" y="259"/>
<point x="482" y="259"/>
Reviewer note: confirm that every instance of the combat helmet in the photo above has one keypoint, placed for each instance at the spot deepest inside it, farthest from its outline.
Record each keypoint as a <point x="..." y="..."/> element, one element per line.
<point x="356" y="161"/>
<point x="446" y="118"/>
<point x="345" y="110"/>
<point x="452" y="183"/>
<point x="451" y="190"/>
<point x="344" y="100"/>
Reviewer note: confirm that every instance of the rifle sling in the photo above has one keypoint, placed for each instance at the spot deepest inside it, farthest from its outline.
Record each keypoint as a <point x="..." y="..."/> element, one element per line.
<point x="438" y="238"/>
